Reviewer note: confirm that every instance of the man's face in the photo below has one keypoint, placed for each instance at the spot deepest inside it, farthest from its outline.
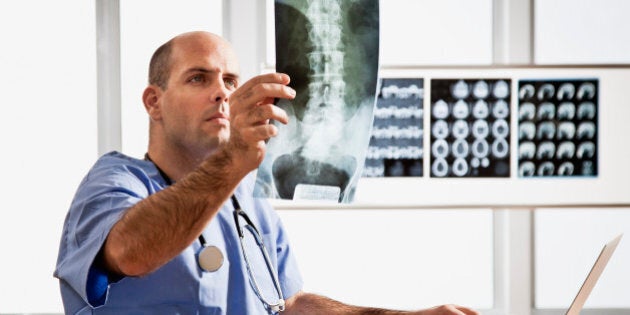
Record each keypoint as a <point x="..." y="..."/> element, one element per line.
<point x="194" y="105"/>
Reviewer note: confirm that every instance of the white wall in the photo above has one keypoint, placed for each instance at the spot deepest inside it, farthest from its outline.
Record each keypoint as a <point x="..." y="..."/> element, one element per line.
<point x="582" y="32"/>
<point x="48" y="139"/>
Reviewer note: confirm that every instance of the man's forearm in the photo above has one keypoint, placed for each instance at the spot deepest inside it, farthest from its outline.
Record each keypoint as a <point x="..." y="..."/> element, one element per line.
<point x="161" y="226"/>
<point x="313" y="304"/>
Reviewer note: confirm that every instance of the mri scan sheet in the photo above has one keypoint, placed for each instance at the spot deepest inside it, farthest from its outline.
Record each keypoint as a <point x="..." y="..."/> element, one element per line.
<point x="557" y="130"/>
<point x="330" y="50"/>
<point x="396" y="141"/>
<point x="470" y="127"/>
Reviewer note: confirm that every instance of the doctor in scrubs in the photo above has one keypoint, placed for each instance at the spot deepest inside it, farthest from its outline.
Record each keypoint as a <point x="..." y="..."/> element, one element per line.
<point x="178" y="231"/>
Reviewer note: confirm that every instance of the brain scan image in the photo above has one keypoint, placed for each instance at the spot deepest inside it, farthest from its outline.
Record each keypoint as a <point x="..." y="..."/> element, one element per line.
<point x="526" y="150"/>
<point x="481" y="89"/>
<point x="460" y="110"/>
<point x="526" y="91"/>
<point x="566" y="91"/>
<point x="527" y="131"/>
<point x="586" y="110"/>
<point x="460" y="89"/>
<point x="586" y="91"/>
<point x="527" y="111"/>
<point x="440" y="109"/>
<point x="566" y="111"/>
<point x="566" y="130"/>
<point x="395" y="148"/>
<point x="566" y="150"/>
<point x="440" y="129"/>
<point x="546" y="111"/>
<point x="546" y="130"/>
<point x="470" y="129"/>
<point x="501" y="89"/>
<point x="557" y="132"/>
<point x="480" y="109"/>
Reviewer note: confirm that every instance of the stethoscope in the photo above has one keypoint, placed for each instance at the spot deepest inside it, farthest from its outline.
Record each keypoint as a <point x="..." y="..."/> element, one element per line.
<point x="210" y="258"/>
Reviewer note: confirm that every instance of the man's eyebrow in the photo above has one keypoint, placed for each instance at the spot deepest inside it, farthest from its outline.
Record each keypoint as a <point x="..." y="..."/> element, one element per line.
<point x="206" y="70"/>
<point x="198" y="69"/>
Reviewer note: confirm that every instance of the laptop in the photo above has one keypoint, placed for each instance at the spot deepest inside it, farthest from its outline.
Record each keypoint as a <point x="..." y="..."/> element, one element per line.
<point x="592" y="277"/>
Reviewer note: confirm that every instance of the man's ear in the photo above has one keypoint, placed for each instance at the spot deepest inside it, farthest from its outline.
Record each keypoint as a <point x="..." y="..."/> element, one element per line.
<point x="152" y="101"/>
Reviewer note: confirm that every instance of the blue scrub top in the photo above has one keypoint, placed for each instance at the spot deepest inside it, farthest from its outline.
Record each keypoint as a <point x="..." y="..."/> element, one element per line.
<point x="115" y="183"/>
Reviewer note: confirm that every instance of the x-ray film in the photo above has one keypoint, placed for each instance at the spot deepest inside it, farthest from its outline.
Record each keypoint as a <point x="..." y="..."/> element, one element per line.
<point x="329" y="48"/>
<point x="396" y="141"/>
<point x="557" y="130"/>
<point x="470" y="128"/>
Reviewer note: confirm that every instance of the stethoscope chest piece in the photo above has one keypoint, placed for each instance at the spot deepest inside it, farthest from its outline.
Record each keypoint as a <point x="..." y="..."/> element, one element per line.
<point x="210" y="258"/>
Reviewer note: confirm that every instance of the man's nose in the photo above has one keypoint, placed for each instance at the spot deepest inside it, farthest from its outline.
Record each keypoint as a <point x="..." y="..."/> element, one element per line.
<point x="220" y="92"/>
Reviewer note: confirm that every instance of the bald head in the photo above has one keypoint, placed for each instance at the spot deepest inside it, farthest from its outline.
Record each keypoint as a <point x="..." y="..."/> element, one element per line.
<point x="162" y="61"/>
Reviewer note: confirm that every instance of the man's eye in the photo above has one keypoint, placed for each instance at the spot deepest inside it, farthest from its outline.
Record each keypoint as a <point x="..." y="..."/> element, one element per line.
<point x="231" y="83"/>
<point x="197" y="78"/>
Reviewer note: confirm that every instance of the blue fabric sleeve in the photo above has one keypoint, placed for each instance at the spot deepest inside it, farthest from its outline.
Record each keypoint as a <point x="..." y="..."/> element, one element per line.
<point x="102" y="198"/>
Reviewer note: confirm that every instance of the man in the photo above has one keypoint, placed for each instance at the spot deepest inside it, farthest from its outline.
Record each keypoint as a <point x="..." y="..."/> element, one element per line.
<point x="160" y="235"/>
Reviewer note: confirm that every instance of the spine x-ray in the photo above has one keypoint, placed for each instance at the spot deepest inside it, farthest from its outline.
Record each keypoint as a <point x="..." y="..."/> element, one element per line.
<point x="329" y="48"/>
<point x="395" y="148"/>
<point x="557" y="130"/>
<point x="470" y="128"/>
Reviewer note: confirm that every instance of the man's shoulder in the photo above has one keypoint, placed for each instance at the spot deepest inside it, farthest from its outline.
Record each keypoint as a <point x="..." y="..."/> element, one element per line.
<point x="116" y="168"/>
<point x="115" y="158"/>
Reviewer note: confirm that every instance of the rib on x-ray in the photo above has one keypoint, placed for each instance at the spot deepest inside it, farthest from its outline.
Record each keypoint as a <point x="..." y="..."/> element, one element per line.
<point x="329" y="48"/>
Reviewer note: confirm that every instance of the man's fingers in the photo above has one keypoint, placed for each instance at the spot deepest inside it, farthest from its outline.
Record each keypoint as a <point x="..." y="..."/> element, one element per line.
<point x="450" y="309"/>
<point x="262" y="88"/>
<point x="257" y="133"/>
<point x="262" y="113"/>
<point x="460" y="310"/>
<point x="274" y="77"/>
<point x="468" y="311"/>
<point x="262" y="92"/>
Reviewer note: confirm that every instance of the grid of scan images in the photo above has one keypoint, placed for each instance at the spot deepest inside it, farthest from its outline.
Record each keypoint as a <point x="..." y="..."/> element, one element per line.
<point x="470" y="127"/>
<point x="395" y="148"/>
<point x="557" y="128"/>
